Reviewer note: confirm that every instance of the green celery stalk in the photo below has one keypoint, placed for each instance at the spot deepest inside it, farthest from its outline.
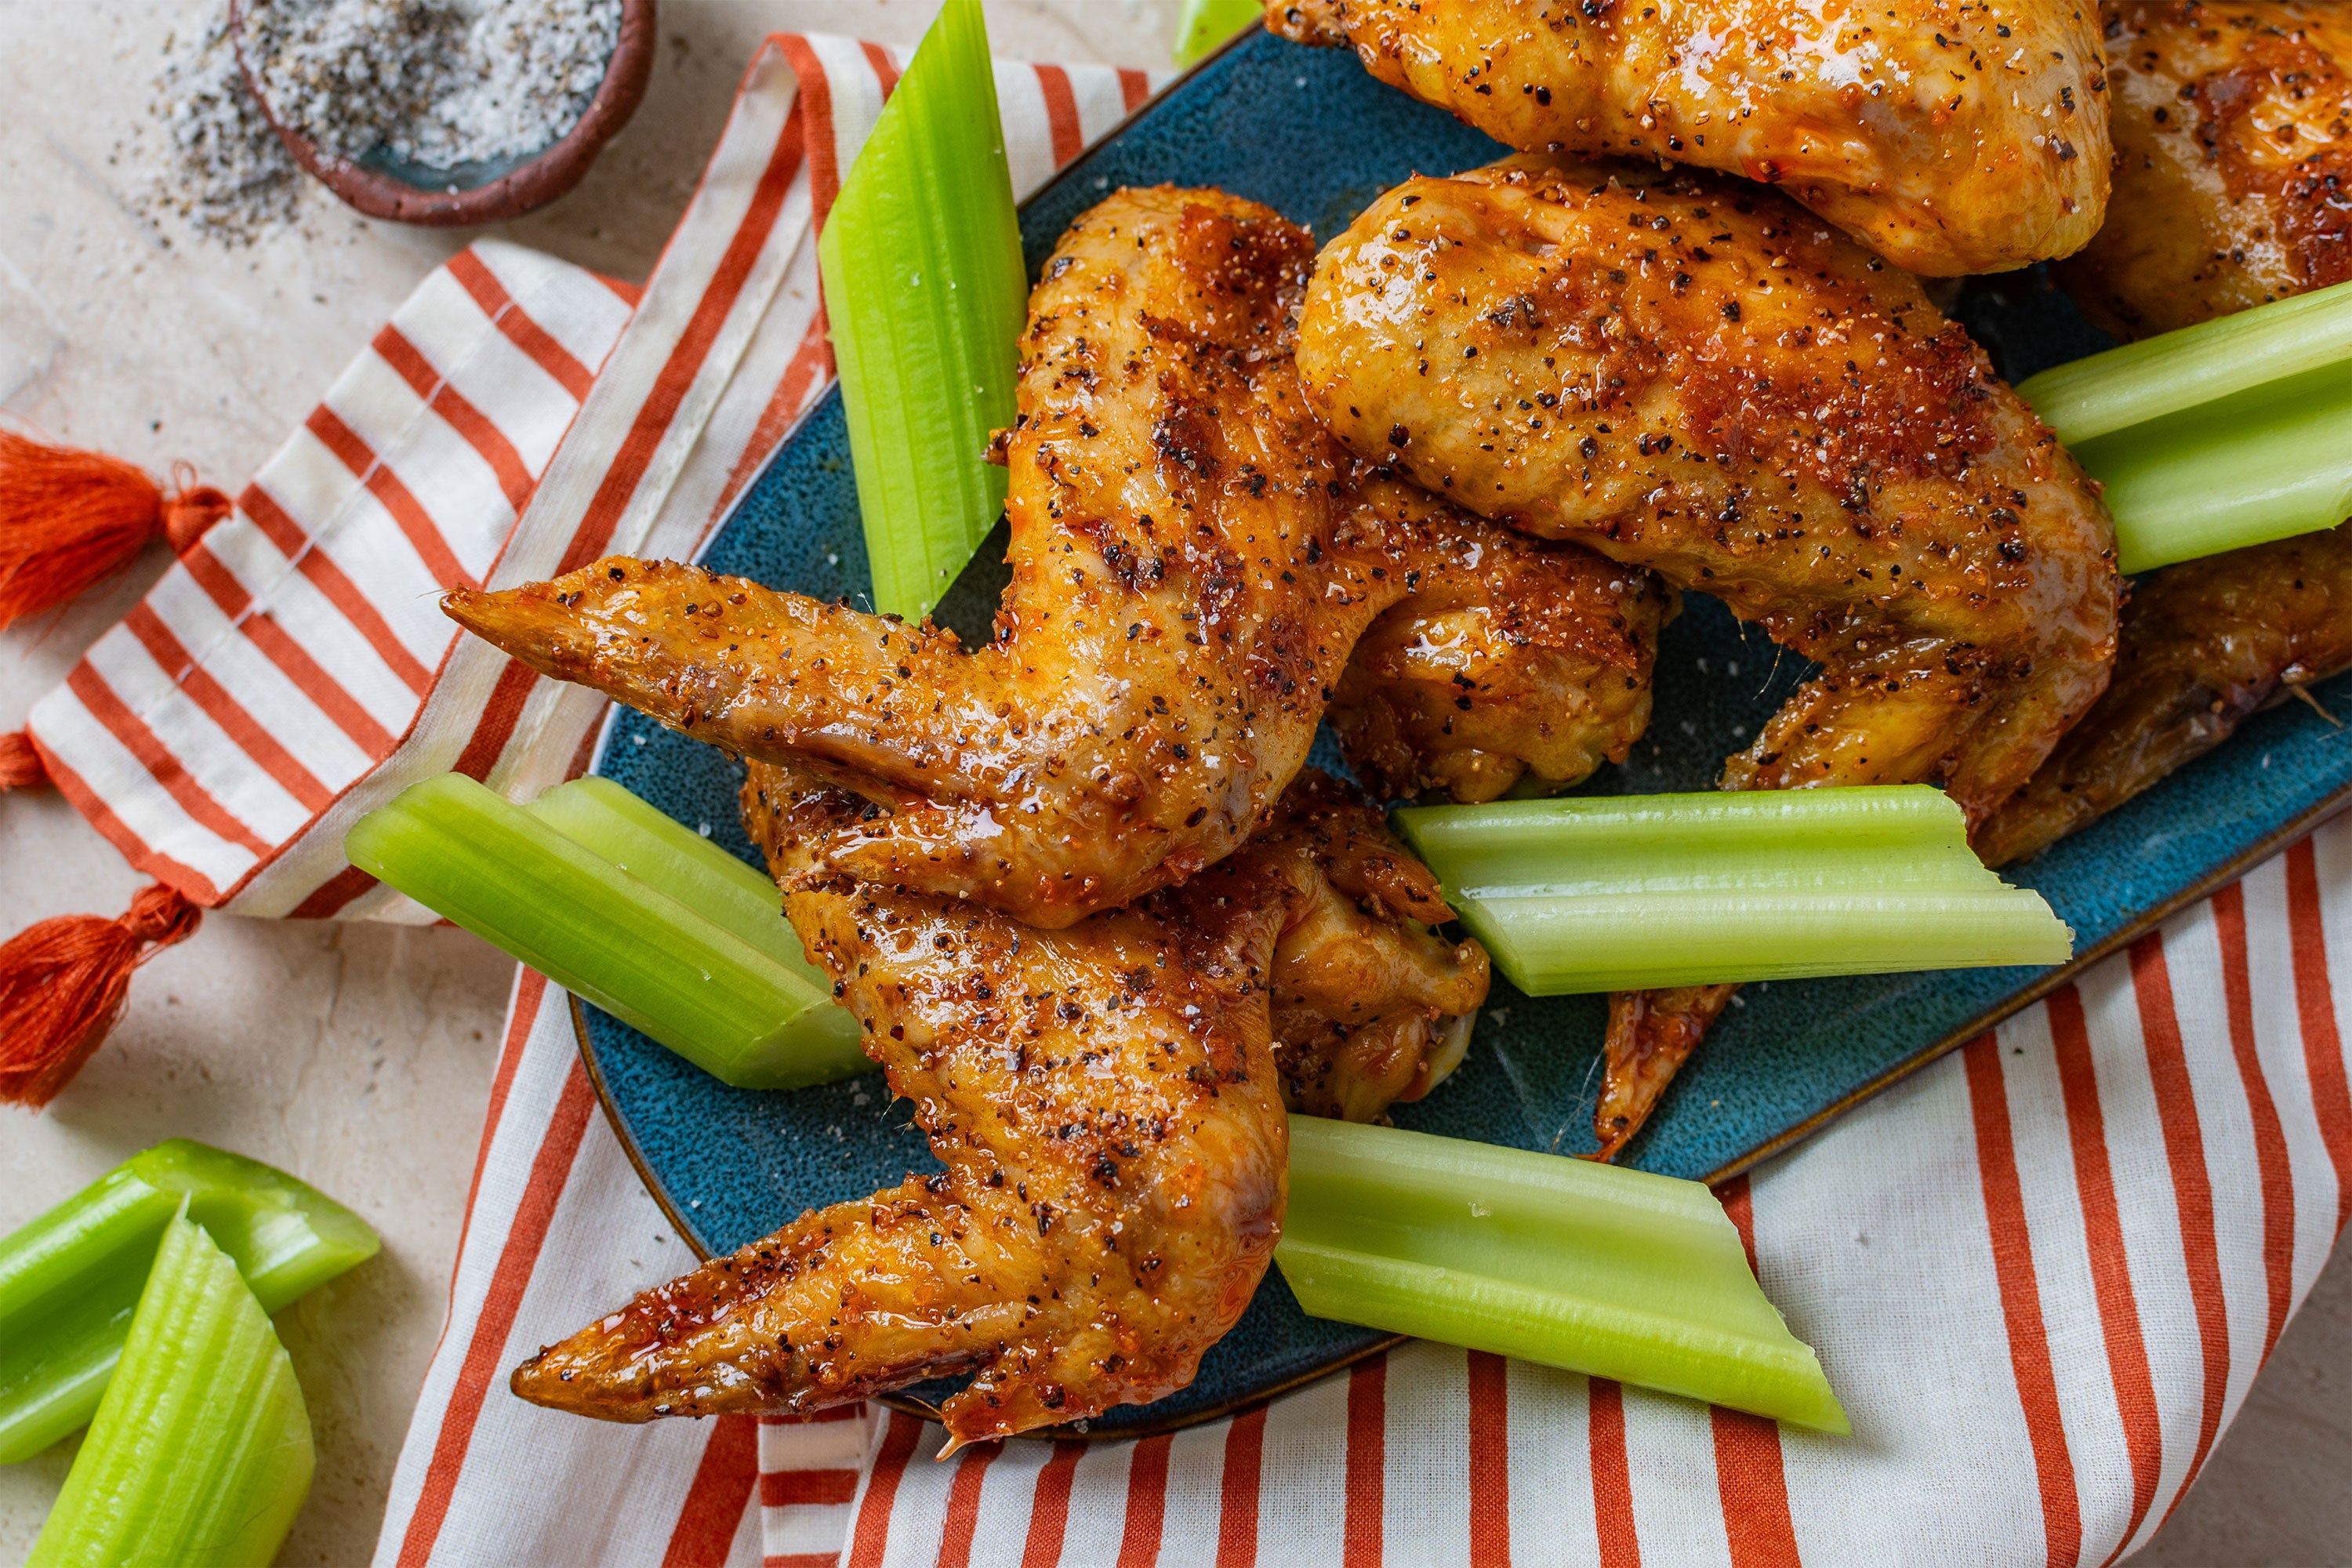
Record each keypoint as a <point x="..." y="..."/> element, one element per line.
<point x="2266" y="463"/>
<point x="1634" y="892"/>
<point x="1561" y="1260"/>
<point x="1564" y="946"/>
<point x="2195" y="366"/>
<point x="200" y="1453"/>
<point x="1597" y="1268"/>
<point x="1608" y="840"/>
<point x="926" y="292"/>
<point x="70" y="1279"/>
<point x="1206" y="24"/>
<point x="670" y="858"/>
<point x="730" y="1008"/>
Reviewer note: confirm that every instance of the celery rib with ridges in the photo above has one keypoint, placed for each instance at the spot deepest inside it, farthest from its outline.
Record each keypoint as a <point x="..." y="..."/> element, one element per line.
<point x="1635" y="893"/>
<point x="2231" y="432"/>
<point x="925" y="294"/>
<point x="200" y="1453"/>
<point x="70" y="1279"/>
<point x="637" y="943"/>
<point x="1600" y="1270"/>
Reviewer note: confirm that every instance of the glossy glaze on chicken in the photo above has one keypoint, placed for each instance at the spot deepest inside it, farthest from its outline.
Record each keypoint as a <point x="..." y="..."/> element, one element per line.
<point x="2233" y="142"/>
<point x="2234" y="124"/>
<point x="1951" y="136"/>
<point x="1193" y="560"/>
<point x="1107" y="1101"/>
<point x="2205" y="646"/>
<point x="1697" y="377"/>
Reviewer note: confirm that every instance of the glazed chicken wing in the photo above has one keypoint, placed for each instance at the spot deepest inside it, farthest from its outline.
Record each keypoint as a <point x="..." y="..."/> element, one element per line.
<point x="1952" y="136"/>
<point x="1521" y="659"/>
<point x="1700" y="378"/>
<point x="2204" y="645"/>
<point x="1193" y="561"/>
<point x="1106" y="1100"/>
<point x="2233" y="136"/>
<point x="2232" y="122"/>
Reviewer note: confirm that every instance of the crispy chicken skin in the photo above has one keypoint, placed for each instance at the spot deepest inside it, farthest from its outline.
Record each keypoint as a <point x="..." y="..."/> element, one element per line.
<point x="2233" y="142"/>
<point x="1952" y="136"/>
<point x="1519" y="658"/>
<point x="1106" y="1101"/>
<point x="1191" y="565"/>
<point x="2205" y="644"/>
<point x="1701" y="378"/>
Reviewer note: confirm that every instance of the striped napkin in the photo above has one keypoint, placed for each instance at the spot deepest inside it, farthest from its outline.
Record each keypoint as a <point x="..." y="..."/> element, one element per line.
<point x="2042" y="1274"/>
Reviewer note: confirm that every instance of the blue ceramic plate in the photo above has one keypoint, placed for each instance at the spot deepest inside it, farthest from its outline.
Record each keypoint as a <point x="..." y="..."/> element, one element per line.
<point x="1309" y="133"/>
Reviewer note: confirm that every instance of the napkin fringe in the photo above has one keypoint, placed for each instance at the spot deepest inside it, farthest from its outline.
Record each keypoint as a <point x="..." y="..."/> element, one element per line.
<point x="20" y="763"/>
<point x="62" y="985"/>
<point x="70" y="518"/>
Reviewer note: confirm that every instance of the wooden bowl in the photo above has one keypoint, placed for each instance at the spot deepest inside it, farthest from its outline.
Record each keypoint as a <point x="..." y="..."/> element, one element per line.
<point x="483" y="192"/>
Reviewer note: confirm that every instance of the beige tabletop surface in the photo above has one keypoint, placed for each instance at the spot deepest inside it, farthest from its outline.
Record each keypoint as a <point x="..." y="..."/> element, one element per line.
<point x="360" y="1056"/>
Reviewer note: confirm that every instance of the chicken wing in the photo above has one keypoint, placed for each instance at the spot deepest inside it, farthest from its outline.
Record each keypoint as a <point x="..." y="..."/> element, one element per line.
<point x="2204" y="646"/>
<point x="2231" y="126"/>
<point x="1700" y="378"/>
<point x="1191" y="565"/>
<point x="1520" y="659"/>
<point x="1952" y="136"/>
<point x="1105" y="1098"/>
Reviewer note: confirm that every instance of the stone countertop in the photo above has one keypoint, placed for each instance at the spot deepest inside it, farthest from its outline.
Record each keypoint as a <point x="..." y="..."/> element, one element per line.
<point x="360" y="1056"/>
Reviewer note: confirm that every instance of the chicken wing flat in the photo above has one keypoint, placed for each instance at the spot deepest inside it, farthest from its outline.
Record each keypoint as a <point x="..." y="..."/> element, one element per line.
<point x="2204" y="646"/>
<point x="2233" y="135"/>
<point x="1702" y="379"/>
<point x="1106" y="1100"/>
<point x="1952" y="136"/>
<point x="1193" y="563"/>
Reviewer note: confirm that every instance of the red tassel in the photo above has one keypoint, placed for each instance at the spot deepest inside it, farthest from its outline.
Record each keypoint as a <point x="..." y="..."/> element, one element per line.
<point x="70" y="518"/>
<point x="62" y="982"/>
<point x="20" y="765"/>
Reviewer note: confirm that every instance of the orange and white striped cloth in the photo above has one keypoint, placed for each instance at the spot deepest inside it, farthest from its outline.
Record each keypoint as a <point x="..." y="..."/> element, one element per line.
<point x="513" y="420"/>
<point x="2042" y="1274"/>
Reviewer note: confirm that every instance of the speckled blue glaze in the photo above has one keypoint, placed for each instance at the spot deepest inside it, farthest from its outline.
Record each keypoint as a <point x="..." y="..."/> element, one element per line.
<point x="1308" y="133"/>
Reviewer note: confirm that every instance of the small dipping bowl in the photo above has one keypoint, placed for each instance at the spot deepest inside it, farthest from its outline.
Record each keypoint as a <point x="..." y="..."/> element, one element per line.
<point x="384" y="186"/>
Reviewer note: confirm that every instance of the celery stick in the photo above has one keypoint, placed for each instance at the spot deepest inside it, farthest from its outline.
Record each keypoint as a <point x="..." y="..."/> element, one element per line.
<point x="70" y="1278"/>
<point x="2197" y="365"/>
<point x="2265" y="464"/>
<point x="200" y="1453"/>
<point x="1637" y="891"/>
<point x="667" y="856"/>
<point x="1206" y="24"/>
<point x="466" y="852"/>
<point x="1567" y="945"/>
<point x="662" y="852"/>
<point x="1600" y="1269"/>
<point x="926" y="292"/>
<point x="1604" y="840"/>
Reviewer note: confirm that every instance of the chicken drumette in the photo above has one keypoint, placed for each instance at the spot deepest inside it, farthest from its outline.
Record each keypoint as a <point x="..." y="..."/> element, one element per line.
<point x="1952" y="136"/>
<point x="1193" y="560"/>
<point x="1700" y="378"/>
<point x="1107" y="1099"/>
